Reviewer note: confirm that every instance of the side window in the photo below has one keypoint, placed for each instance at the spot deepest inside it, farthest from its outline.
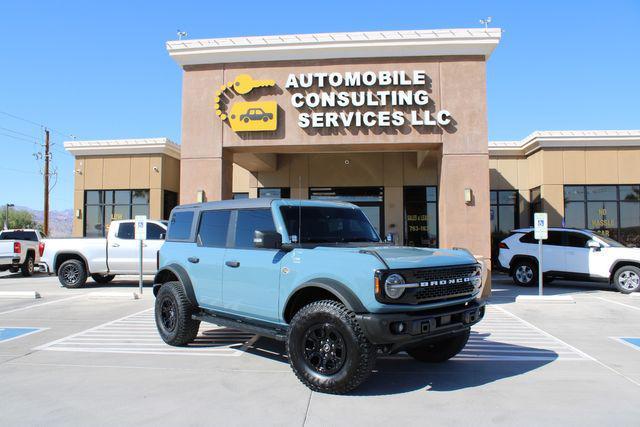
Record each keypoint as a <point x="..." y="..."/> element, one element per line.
<point x="528" y="238"/>
<point x="555" y="238"/>
<point x="155" y="232"/>
<point x="213" y="228"/>
<point x="180" y="225"/>
<point x="250" y="220"/>
<point x="577" y="240"/>
<point x="126" y="231"/>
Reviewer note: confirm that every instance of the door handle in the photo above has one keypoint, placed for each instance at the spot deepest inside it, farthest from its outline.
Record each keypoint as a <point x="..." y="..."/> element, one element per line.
<point x="115" y="245"/>
<point x="193" y="260"/>
<point x="233" y="264"/>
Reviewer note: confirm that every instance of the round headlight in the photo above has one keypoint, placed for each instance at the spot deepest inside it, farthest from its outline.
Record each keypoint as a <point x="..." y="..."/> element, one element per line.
<point x="393" y="286"/>
<point x="476" y="277"/>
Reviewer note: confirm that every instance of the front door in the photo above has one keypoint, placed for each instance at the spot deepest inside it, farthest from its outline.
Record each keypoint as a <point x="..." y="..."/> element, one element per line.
<point x="252" y="276"/>
<point x="123" y="252"/>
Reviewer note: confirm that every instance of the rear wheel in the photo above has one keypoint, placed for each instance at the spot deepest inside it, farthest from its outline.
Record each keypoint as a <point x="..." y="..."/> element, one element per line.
<point x="72" y="274"/>
<point x="627" y="279"/>
<point x="103" y="279"/>
<point x="173" y="312"/>
<point x="525" y="273"/>
<point x="440" y="351"/>
<point x="327" y="350"/>
<point x="28" y="266"/>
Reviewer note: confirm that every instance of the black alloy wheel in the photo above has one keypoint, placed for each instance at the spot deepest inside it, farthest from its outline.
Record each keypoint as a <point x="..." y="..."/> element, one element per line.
<point x="173" y="314"/>
<point x="72" y="274"/>
<point x="168" y="313"/>
<point x="324" y="349"/>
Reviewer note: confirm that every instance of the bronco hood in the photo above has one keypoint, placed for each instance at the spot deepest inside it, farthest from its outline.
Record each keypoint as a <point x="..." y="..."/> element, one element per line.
<point x="410" y="257"/>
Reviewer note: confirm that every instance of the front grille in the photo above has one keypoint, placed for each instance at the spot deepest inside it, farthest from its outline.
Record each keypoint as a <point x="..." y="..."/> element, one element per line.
<point x="439" y="291"/>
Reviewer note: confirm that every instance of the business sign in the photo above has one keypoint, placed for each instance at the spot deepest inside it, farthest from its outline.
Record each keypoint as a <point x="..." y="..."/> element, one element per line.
<point x="540" y="226"/>
<point x="141" y="227"/>
<point x="336" y="100"/>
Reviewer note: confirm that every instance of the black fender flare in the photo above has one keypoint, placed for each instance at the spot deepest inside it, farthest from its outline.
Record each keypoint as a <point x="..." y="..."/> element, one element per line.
<point x="339" y="289"/>
<point x="183" y="277"/>
<point x="624" y="261"/>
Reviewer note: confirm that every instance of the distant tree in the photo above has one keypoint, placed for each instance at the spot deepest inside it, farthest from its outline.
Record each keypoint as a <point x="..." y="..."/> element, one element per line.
<point x="19" y="219"/>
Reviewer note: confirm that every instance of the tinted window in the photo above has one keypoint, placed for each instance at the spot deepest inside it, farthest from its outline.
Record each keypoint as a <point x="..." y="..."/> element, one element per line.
<point x="213" y="228"/>
<point x="577" y="240"/>
<point x="126" y="231"/>
<point x="328" y="225"/>
<point x="19" y="235"/>
<point x="180" y="226"/>
<point x="528" y="238"/>
<point x="250" y="221"/>
<point x="155" y="232"/>
<point x="554" y="238"/>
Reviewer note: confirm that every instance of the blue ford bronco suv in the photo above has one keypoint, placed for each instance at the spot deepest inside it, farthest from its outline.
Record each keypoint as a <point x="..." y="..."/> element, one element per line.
<point x="317" y="276"/>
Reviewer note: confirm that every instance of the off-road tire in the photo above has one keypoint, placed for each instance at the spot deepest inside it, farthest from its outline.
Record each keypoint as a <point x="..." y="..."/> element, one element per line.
<point x="14" y="270"/>
<point x="631" y="271"/>
<point x="440" y="351"/>
<point x="102" y="279"/>
<point x="72" y="274"/>
<point x="359" y="357"/>
<point x="183" y="329"/>
<point x="522" y="266"/>
<point x="28" y="267"/>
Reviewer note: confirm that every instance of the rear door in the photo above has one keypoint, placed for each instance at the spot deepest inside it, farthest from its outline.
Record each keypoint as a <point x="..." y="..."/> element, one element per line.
<point x="206" y="257"/>
<point x="123" y="251"/>
<point x="553" y="255"/>
<point x="251" y="276"/>
<point x="577" y="253"/>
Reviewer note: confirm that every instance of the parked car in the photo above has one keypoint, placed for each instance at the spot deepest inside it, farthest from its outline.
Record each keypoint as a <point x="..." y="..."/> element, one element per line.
<point x="73" y="260"/>
<point x="572" y="254"/>
<point x="315" y="275"/>
<point x="20" y="250"/>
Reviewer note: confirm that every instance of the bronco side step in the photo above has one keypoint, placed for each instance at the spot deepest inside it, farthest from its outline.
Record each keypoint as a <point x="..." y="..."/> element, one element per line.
<point x="243" y="325"/>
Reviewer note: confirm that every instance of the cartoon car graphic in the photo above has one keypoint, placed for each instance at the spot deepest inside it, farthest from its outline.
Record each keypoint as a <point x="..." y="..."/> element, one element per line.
<point x="256" y="114"/>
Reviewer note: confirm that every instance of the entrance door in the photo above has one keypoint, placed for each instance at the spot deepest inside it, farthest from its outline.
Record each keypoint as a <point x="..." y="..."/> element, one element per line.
<point x="369" y="199"/>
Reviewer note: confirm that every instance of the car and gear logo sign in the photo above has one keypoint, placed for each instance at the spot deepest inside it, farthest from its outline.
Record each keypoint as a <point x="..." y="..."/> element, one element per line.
<point x="248" y="116"/>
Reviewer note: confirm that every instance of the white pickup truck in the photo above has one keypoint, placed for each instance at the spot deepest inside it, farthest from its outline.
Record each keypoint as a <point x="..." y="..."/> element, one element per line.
<point x="20" y="250"/>
<point x="73" y="260"/>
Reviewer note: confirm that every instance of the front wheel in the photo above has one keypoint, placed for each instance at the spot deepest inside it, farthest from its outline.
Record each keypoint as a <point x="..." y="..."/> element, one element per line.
<point x="173" y="312"/>
<point x="627" y="279"/>
<point x="72" y="274"/>
<point x="327" y="349"/>
<point x="103" y="279"/>
<point x="440" y="351"/>
<point x="525" y="273"/>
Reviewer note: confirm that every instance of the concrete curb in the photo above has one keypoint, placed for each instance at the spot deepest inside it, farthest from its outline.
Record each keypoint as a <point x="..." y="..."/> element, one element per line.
<point x="19" y="295"/>
<point x="114" y="295"/>
<point x="545" y="299"/>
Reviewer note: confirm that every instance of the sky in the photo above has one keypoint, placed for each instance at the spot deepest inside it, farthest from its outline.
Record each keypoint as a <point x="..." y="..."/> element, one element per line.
<point x="99" y="70"/>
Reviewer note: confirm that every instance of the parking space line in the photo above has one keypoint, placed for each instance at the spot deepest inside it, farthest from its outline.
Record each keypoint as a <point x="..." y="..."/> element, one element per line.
<point x="44" y="303"/>
<point x="619" y="303"/>
<point x="137" y="334"/>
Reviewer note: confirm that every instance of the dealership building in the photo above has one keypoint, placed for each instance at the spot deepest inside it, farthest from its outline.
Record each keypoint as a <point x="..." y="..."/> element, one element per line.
<point x="395" y="122"/>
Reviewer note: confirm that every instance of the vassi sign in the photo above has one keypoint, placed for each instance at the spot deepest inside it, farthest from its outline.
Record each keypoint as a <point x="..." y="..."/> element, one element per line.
<point x="363" y="99"/>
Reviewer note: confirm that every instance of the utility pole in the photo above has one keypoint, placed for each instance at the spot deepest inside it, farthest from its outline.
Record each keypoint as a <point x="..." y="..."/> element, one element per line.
<point x="47" y="159"/>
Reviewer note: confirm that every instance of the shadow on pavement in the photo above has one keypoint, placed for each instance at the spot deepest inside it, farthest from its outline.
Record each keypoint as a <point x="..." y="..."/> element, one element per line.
<point x="401" y="374"/>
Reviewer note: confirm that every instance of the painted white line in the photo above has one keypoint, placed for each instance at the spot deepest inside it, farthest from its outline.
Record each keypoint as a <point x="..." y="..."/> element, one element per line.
<point x="572" y="347"/>
<point x="234" y="353"/>
<point x="19" y="295"/>
<point x="619" y="303"/>
<point x="44" y="303"/>
<point x="627" y="343"/>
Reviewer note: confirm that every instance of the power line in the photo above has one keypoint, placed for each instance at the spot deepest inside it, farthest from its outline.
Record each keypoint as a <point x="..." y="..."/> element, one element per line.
<point x="19" y="170"/>
<point x="32" y="141"/>
<point x="37" y="124"/>
<point x="19" y="133"/>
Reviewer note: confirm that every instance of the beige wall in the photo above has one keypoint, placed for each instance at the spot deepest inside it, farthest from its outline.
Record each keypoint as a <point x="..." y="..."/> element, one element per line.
<point x="153" y="172"/>
<point x="553" y="168"/>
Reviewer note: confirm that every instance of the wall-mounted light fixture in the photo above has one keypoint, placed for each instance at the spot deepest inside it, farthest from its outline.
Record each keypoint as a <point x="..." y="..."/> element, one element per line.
<point x="347" y="161"/>
<point x="200" y="196"/>
<point x="79" y="213"/>
<point x="468" y="196"/>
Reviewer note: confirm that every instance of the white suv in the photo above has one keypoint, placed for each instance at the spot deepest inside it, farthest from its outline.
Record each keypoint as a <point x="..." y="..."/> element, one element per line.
<point x="571" y="254"/>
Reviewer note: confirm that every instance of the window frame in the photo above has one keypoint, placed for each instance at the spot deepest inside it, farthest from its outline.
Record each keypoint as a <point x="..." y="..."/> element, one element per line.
<point x="199" y="243"/>
<point x="436" y="202"/>
<point x="233" y="223"/>
<point x="102" y="205"/>
<point x="194" y="214"/>
<point x="497" y="205"/>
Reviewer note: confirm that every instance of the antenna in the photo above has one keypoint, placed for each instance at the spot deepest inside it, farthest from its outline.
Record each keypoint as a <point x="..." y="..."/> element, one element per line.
<point x="300" y="209"/>
<point x="486" y="22"/>
<point x="181" y="34"/>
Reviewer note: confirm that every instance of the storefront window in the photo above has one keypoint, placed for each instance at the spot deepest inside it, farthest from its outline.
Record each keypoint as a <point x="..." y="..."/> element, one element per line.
<point x="103" y="206"/>
<point x="274" y="193"/>
<point x="170" y="202"/>
<point x="536" y="203"/>
<point x="504" y="216"/>
<point x="611" y="210"/>
<point x="421" y="216"/>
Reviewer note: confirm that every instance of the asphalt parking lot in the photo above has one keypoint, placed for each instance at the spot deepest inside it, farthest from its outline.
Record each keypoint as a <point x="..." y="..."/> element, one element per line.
<point x="94" y="361"/>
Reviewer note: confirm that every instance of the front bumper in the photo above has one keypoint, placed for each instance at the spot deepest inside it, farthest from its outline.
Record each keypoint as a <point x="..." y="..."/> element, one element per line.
<point x="419" y="327"/>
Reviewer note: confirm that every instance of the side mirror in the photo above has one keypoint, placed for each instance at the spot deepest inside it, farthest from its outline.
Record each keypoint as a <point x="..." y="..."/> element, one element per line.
<point x="162" y="236"/>
<point x="267" y="239"/>
<point x="592" y="244"/>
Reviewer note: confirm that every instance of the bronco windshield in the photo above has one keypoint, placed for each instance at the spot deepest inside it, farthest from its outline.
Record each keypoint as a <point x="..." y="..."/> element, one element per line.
<point x="322" y="224"/>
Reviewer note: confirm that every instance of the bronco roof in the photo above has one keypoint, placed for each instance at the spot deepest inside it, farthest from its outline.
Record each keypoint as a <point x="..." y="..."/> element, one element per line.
<point x="264" y="202"/>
